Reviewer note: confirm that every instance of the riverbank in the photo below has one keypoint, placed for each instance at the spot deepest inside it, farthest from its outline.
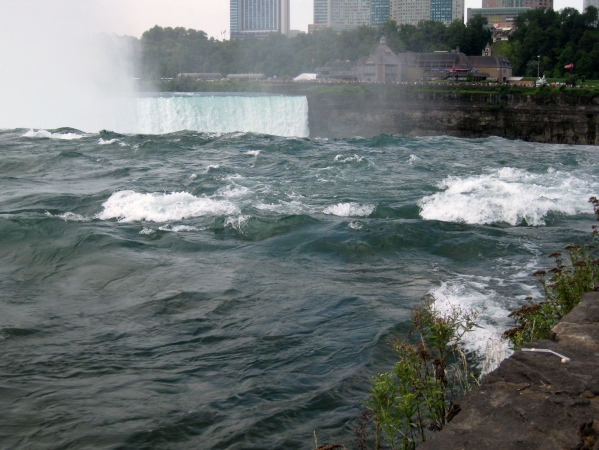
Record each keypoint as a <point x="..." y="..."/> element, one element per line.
<point x="534" y="400"/>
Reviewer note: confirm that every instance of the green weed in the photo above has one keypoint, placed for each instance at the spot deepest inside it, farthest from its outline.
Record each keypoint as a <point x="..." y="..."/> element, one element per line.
<point x="563" y="286"/>
<point x="416" y="396"/>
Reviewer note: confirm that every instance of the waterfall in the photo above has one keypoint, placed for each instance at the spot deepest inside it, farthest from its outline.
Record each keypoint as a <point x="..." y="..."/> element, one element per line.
<point x="267" y="114"/>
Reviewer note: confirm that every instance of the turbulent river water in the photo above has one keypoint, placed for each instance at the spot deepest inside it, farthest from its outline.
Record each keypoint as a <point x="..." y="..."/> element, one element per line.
<point x="237" y="290"/>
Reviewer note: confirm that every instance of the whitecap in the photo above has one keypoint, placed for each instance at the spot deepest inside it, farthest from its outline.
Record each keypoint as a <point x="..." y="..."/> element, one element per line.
<point x="508" y="195"/>
<point x="72" y="217"/>
<point x="237" y="222"/>
<point x="130" y="206"/>
<point x="49" y="135"/>
<point x="356" y="158"/>
<point x="253" y="152"/>
<point x="349" y="210"/>
<point x="177" y="228"/>
<point x="147" y="231"/>
<point x="412" y="159"/>
<point x="107" y="142"/>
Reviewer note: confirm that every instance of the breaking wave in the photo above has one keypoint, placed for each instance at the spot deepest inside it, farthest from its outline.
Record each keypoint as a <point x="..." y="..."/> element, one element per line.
<point x="130" y="206"/>
<point x="49" y="135"/>
<point x="508" y="195"/>
<point x="349" y="210"/>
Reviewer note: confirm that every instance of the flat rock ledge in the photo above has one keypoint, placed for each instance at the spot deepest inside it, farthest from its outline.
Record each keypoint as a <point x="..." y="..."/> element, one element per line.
<point x="533" y="400"/>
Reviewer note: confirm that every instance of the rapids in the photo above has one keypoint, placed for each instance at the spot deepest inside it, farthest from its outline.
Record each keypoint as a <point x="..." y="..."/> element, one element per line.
<point x="237" y="290"/>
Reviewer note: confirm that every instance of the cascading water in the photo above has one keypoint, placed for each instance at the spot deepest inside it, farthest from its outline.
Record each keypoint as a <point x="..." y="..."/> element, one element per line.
<point x="275" y="115"/>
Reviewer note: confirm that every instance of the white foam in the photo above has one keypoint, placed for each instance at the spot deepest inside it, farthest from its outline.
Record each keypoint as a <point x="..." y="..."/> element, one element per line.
<point x="130" y="206"/>
<point x="69" y="217"/>
<point x="412" y="159"/>
<point x="147" y="231"/>
<point x="356" y="158"/>
<point x="253" y="152"/>
<point x="237" y="222"/>
<point x="355" y="225"/>
<point x="349" y="210"/>
<point x="107" y="142"/>
<point x="291" y="207"/>
<point x="508" y="195"/>
<point x="177" y="228"/>
<point x="469" y="295"/>
<point x="49" y="135"/>
<point x="72" y="217"/>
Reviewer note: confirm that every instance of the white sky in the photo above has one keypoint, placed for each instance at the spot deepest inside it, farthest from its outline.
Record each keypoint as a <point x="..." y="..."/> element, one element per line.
<point x="212" y="16"/>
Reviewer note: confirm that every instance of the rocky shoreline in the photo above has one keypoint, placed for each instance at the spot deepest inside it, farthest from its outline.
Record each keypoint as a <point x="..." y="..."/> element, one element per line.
<point x="534" y="400"/>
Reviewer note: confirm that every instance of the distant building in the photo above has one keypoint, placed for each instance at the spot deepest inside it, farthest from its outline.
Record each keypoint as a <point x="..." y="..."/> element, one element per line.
<point x="337" y="71"/>
<point x="202" y="76"/>
<point x="259" y="18"/>
<point x="313" y="28"/>
<point x="498" y="17"/>
<point x="588" y="3"/>
<point x="305" y="77"/>
<point x="246" y="76"/>
<point x="384" y="66"/>
<point x="413" y="11"/>
<point x="348" y="14"/>
<point x="321" y="12"/>
<point x="519" y="4"/>
<point x="410" y="11"/>
<point x="380" y="12"/>
<point x="497" y="67"/>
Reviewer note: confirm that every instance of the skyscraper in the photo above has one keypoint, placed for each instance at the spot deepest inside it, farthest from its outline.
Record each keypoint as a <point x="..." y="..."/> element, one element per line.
<point x="413" y="11"/>
<point x="410" y="11"/>
<point x="380" y="11"/>
<point x="321" y="12"/>
<point x="348" y="14"/>
<point x="588" y="3"/>
<point x="259" y="17"/>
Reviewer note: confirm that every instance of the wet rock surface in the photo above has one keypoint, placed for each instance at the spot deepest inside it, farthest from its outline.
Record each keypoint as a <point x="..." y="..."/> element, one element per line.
<point x="534" y="400"/>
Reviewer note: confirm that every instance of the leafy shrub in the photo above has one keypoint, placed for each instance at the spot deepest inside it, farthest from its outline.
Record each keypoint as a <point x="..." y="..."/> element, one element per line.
<point x="416" y="396"/>
<point x="563" y="290"/>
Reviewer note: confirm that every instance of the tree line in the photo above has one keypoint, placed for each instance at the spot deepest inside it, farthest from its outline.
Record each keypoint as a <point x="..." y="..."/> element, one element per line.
<point x="166" y="52"/>
<point x="560" y="38"/>
<point x="546" y="41"/>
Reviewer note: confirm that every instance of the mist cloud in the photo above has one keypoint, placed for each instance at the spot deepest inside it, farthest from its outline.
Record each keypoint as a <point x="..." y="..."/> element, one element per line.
<point x="57" y="69"/>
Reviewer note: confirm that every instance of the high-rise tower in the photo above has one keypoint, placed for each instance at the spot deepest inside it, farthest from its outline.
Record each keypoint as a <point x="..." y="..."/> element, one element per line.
<point x="413" y="11"/>
<point x="321" y="12"/>
<point x="348" y="14"/>
<point x="259" y="17"/>
<point x="380" y="12"/>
